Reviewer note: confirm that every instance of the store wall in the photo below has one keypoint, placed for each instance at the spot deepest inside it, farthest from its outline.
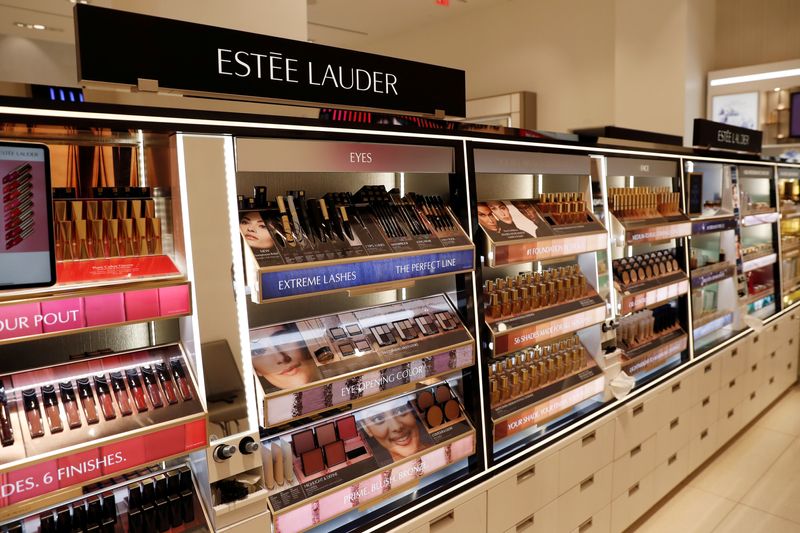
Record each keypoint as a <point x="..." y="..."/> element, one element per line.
<point x="33" y="61"/>
<point x="751" y="32"/>
<point x="563" y="51"/>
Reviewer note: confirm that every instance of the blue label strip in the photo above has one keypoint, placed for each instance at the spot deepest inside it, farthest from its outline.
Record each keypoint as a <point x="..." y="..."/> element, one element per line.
<point x="343" y="276"/>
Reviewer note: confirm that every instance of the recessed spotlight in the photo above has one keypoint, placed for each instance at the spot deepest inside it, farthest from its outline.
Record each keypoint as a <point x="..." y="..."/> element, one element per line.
<point x="777" y="89"/>
<point x="39" y="27"/>
<point x="78" y="1"/>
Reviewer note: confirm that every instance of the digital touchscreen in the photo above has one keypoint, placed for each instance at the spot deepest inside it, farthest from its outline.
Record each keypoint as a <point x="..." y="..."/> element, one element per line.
<point x="26" y="247"/>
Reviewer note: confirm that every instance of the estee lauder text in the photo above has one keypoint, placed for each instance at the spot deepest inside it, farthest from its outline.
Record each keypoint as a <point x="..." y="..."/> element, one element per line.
<point x="275" y="67"/>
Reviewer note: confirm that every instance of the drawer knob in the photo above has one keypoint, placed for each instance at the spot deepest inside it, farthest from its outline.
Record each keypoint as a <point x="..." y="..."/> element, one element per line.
<point x="752" y="395"/>
<point x="771" y="380"/>
<point x="735" y="352"/>
<point x="772" y="354"/>
<point x="633" y="490"/>
<point x="525" y="524"/>
<point x="706" y="400"/>
<point x="639" y="409"/>
<point x="755" y="339"/>
<point x="730" y="413"/>
<point x="527" y="474"/>
<point x="586" y="526"/>
<point x="672" y="458"/>
<point x="442" y="521"/>
<point x="676" y="387"/>
<point x="588" y="482"/>
<point x="636" y="450"/>
<point x="732" y="384"/>
<point x="589" y="438"/>
<point x="707" y="369"/>
<point x="674" y="423"/>
<point x="775" y="327"/>
<point x="703" y="434"/>
<point x="754" y="367"/>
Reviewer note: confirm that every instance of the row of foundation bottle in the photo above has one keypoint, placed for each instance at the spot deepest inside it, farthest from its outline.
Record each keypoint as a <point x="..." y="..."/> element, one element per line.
<point x="643" y="326"/>
<point x="526" y="371"/>
<point x="563" y="207"/>
<point x="530" y="291"/>
<point x="643" y="202"/>
<point x="106" y="228"/>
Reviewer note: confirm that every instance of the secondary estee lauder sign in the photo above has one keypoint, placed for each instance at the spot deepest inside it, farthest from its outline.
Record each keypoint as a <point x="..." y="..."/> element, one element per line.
<point x="195" y="58"/>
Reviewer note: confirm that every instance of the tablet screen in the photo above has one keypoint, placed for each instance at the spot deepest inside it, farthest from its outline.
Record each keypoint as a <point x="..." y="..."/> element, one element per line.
<point x="26" y="247"/>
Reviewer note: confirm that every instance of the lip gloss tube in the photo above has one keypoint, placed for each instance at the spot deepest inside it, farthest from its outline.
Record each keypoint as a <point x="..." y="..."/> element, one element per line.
<point x="6" y="429"/>
<point x="104" y="397"/>
<point x="87" y="400"/>
<point x="136" y="389"/>
<point x="33" y="413"/>
<point x="151" y="384"/>
<point x="51" y="411"/>
<point x="121" y="393"/>
<point x="166" y="383"/>
<point x="180" y="378"/>
<point x="70" y="405"/>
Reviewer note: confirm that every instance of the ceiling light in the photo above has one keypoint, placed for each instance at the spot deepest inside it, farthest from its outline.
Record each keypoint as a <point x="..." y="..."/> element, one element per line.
<point x="39" y="27"/>
<point x="777" y="89"/>
<point x="78" y="1"/>
<point x="755" y="77"/>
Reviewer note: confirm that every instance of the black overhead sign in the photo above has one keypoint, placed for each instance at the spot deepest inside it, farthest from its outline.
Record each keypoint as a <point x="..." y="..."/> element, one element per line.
<point x="718" y="135"/>
<point x="120" y="47"/>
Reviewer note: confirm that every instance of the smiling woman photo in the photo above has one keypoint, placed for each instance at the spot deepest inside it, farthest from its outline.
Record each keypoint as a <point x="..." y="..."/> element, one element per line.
<point x="394" y="432"/>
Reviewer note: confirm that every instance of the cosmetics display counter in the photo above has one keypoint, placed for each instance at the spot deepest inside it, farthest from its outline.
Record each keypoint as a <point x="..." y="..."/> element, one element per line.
<point x="540" y="234"/>
<point x="789" y="196"/>
<point x="648" y="263"/>
<point x="364" y="396"/>
<point x="116" y="390"/>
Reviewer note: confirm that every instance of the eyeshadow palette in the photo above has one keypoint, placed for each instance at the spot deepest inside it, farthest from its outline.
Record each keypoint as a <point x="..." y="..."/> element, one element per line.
<point x="355" y="354"/>
<point x="318" y="459"/>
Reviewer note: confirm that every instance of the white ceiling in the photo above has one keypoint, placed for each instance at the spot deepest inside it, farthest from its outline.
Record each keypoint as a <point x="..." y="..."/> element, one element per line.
<point x="344" y="23"/>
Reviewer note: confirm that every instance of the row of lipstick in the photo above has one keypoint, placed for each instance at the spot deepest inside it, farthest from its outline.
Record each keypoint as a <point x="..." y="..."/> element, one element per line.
<point x="644" y="202"/>
<point x="18" y="205"/>
<point x="630" y="270"/>
<point x="156" y="380"/>
<point x="100" y="229"/>
<point x="529" y="370"/>
<point x="534" y="290"/>
<point x="161" y="503"/>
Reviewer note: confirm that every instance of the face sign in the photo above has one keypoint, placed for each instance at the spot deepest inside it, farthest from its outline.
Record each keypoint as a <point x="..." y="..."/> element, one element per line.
<point x="500" y="210"/>
<point x="286" y="363"/>
<point x="486" y="218"/>
<point x="396" y="430"/>
<point x="255" y="231"/>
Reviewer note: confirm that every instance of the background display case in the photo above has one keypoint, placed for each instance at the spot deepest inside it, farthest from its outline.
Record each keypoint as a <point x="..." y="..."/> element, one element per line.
<point x="360" y="270"/>
<point x="648" y="264"/>
<point x="714" y="249"/>
<point x="788" y="199"/>
<point x="540" y="233"/>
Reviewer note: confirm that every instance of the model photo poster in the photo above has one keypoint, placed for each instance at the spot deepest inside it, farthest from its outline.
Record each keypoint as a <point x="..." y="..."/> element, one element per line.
<point x="736" y="110"/>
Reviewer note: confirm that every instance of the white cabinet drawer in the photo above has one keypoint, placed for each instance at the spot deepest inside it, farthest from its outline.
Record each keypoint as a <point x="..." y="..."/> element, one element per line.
<point x="733" y="363"/>
<point x="704" y="413"/>
<point x="701" y="445"/>
<point x="706" y="378"/>
<point x="757" y="347"/>
<point x="600" y="522"/>
<point x="672" y="436"/>
<point x="731" y="421"/>
<point x="585" y="499"/>
<point x="524" y="490"/>
<point x="634" y="465"/>
<point x="676" y="396"/>
<point x="545" y="520"/>
<point x="588" y="453"/>
<point x="773" y="334"/>
<point x="732" y="392"/>
<point x="637" y="421"/>
<point x="469" y="516"/>
<point x="633" y="502"/>
<point x="673" y="470"/>
<point x="755" y="374"/>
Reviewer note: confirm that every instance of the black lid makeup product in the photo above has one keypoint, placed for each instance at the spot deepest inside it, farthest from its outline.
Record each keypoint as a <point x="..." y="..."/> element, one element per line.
<point x="185" y="475"/>
<point x="135" y="522"/>
<point x="148" y="492"/>
<point x="109" y="508"/>
<point x="51" y="411"/>
<point x="187" y="506"/>
<point x="78" y="517"/>
<point x="175" y="513"/>
<point x="63" y="520"/>
<point x="70" y="404"/>
<point x="6" y="429"/>
<point x="180" y="378"/>
<point x="134" y="496"/>
<point x="161" y="487"/>
<point x="151" y="384"/>
<point x="121" y="393"/>
<point x="104" y="397"/>
<point x="47" y="522"/>
<point x="149" y="518"/>
<point x="324" y="354"/>
<point x="162" y="516"/>
<point x="173" y="482"/>
<point x="94" y="514"/>
<point x="260" y="195"/>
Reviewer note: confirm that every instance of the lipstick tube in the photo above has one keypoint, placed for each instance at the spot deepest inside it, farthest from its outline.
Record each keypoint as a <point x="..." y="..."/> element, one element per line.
<point x="136" y="389"/>
<point x="77" y="210"/>
<point x="180" y="378"/>
<point x="17" y="183"/>
<point x="122" y="209"/>
<point x="121" y="393"/>
<point x="141" y="236"/>
<point x="67" y="249"/>
<point x="87" y="400"/>
<point x="70" y="405"/>
<point x="81" y="241"/>
<point x="126" y="237"/>
<point x="113" y="238"/>
<point x="150" y="382"/>
<point x="51" y="411"/>
<point x="14" y="174"/>
<point x="104" y="397"/>
<point x="155" y="228"/>
<point x="98" y="239"/>
<point x="32" y="413"/>
<point x="107" y="209"/>
<point x="166" y="382"/>
<point x="136" y="209"/>
<point x="6" y="429"/>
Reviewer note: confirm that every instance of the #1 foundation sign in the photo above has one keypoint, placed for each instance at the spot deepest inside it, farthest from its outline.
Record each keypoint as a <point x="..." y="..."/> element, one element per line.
<point x="123" y="48"/>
